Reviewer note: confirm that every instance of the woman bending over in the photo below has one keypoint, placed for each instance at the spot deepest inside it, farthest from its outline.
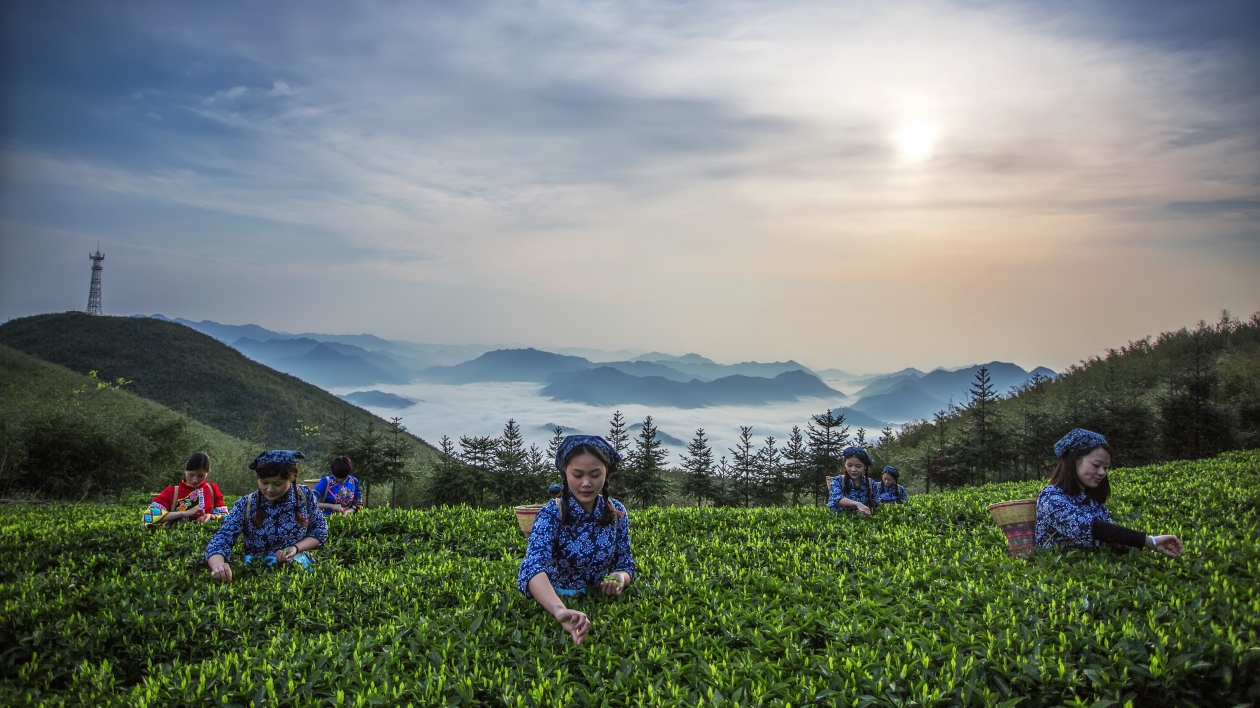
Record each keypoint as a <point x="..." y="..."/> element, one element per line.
<point x="1072" y="509"/>
<point x="580" y="540"/>
<point x="280" y="522"/>
<point x="854" y="490"/>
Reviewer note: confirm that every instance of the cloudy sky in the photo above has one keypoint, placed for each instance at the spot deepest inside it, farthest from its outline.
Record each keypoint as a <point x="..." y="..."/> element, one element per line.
<point x="860" y="185"/>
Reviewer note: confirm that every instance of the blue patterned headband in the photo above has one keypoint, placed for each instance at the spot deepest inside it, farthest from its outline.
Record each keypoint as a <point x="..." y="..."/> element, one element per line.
<point x="287" y="457"/>
<point x="892" y="471"/>
<point x="858" y="452"/>
<point x="574" y="441"/>
<point x="1078" y="440"/>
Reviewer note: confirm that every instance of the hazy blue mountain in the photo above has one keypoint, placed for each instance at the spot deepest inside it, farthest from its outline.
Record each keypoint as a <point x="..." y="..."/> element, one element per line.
<point x="884" y="384"/>
<point x="649" y="368"/>
<point x="905" y="401"/>
<point x="606" y="386"/>
<point x="507" y="365"/>
<point x="378" y="399"/>
<point x="328" y="368"/>
<point x="944" y="384"/>
<point x="550" y="427"/>
<point x="835" y="374"/>
<point x="660" y="435"/>
<point x="273" y="350"/>
<point x="281" y="354"/>
<point x="684" y="359"/>
<point x="868" y="380"/>
<point x="1048" y="373"/>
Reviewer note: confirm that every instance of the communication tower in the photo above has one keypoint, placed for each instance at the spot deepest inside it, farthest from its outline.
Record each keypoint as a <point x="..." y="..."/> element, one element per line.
<point x="94" y="295"/>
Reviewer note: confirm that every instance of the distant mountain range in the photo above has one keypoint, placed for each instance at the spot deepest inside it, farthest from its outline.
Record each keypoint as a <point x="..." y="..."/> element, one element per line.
<point x="654" y="378"/>
<point x="378" y="399"/>
<point x="910" y="394"/>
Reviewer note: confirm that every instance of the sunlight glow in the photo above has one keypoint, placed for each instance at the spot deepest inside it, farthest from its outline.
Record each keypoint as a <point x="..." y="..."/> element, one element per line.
<point x="915" y="140"/>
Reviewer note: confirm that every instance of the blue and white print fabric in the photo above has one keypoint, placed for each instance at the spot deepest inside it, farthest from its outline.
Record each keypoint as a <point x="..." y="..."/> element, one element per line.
<point x="1067" y="522"/>
<point x="288" y="457"/>
<point x="573" y="441"/>
<point x="863" y="491"/>
<point x="894" y="494"/>
<point x="279" y="529"/>
<point x="1078" y="439"/>
<point x="578" y="555"/>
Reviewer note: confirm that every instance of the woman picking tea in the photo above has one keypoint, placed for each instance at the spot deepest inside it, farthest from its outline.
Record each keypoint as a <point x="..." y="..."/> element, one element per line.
<point x="580" y="540"/>
<point x="1072" y="509"/>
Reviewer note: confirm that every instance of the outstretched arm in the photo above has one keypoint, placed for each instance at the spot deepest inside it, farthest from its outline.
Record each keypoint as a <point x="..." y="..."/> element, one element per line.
<point x="574" y="622"/>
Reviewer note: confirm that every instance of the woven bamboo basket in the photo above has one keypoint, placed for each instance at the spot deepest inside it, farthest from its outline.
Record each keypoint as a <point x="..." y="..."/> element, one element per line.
<point x="525" y="517"/>
<point x="1018" y="520"/>
<point x="829" y="482"/>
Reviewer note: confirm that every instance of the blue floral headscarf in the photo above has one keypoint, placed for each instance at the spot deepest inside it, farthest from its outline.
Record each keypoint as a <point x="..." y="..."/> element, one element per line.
<point x="1078" y="440"/>
<point x="555" y="489"/>
<point x="892" y="471"/>
<point x="858" y="452"/>
<point x="288" y="457"/>
<point x="574" y="441"/>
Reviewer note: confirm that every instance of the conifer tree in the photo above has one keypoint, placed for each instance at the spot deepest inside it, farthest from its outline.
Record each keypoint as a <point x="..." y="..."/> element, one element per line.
<point x="451" y="481"/>
<point x="553" y="445"/>
<point x="827" y="435"/>
<point x="510" y="464"/>
<point x="644" y="478"/>
<point x="796" y="463"/>
<point x="697" y="464"/>
<point x="477" y="453"/>
<point x="985" y="442"/>
<point x="396" y="451"/>
<point x="619" y="438"/>
<point x="770" y="481"/>
<point x="744" y="467"/>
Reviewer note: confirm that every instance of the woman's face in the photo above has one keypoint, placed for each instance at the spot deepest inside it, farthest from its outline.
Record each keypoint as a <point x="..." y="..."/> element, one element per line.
<point x="194" y="478"/>
<point x="889" y="480"/>
<point x="854" y="467"/>
<point x="586" y="476"/>
<point x="1091" y="468"/>
<point x="274" y="488"/>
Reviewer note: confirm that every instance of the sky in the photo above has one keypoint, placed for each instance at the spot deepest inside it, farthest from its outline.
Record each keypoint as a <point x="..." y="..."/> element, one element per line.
<point x="858" y="185"/>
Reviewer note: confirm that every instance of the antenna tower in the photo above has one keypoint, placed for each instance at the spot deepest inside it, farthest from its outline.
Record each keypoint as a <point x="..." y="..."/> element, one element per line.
<point x="94" y="295"/>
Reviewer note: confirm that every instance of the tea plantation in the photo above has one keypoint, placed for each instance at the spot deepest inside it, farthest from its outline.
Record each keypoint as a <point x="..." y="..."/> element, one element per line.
<point x="920" y="605"/>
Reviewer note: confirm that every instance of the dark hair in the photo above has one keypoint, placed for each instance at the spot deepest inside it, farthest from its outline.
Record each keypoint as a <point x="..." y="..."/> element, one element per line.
<point x="271" y="470"/>
<point x="609" y="514"/>
<point x="341" y="466"/>
<point x="1064" y="476"/>
<point x="846" y="484"/>
<point x="197" y="462"/>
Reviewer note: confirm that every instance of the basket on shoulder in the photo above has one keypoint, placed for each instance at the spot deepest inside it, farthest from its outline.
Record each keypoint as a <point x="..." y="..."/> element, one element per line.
<point x="525" y="515"/>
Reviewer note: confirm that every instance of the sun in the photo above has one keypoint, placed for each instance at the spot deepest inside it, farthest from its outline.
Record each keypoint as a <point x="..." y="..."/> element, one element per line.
<point x="915" y="140"/>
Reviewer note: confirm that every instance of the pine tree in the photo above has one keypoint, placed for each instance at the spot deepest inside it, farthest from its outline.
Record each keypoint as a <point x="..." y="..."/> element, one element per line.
<point x="697" y="464"/>
<point x="478" y="454"/>
<point x="985" y="439"/>
<point x="744" y="466"/>
<point x="367" y="452"/>
<point x="553" y="445"/>
<point x="451" y="482"/>
<point x="827" y="435"/>
<point x="510" y="464"/>
<point x="770" y="480"/>
<point x="796" y="464"/>
<point x="396" y="452"/>
<point x="644" y="478"/>
<point x="860" y="438"/>
<point x="620" y="441"/>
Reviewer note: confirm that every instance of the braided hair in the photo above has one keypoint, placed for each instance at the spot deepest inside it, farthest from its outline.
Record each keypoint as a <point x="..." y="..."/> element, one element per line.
<point x="271" y="470"/>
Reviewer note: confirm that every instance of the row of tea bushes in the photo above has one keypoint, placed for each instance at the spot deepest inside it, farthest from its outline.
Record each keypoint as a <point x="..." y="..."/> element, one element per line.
<point x="919" y="605"/>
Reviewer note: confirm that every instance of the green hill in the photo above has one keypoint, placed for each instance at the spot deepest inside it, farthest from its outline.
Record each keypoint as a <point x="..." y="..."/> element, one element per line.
<point x="67" y="435"/>
<point x="192" y="373"/>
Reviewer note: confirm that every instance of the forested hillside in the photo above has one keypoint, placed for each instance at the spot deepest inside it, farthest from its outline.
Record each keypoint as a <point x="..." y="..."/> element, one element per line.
<point x="1187" y="394"/>
<point x="191" y="373"/>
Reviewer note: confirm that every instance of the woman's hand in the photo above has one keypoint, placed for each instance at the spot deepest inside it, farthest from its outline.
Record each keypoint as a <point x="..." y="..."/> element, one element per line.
<point x="284" y="555"/>
<point x="219" y="569"/>
<point x="1168" y="545"/>
<point x="574" y="622"/>
<point x="863" y="509"/>
<point x="615" y="586"/>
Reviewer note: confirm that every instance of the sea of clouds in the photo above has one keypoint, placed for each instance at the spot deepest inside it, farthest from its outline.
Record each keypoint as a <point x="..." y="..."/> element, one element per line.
<point x="484" y="408"/>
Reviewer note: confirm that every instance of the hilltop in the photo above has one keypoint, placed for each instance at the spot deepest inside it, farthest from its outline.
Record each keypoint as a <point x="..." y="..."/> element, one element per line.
<point x="72" y="436"/>
<point x="188" y="372"/>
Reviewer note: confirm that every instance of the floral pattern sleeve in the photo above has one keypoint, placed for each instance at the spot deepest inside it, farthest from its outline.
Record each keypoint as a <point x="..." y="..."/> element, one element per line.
<point x="623" y="559"/>
<point x="218" y="507"/>
<point x="318" y="529"/>
<point x="539" y="555"/>
<point x="231" y="528"/>
<point x="834" y="496"/>
<point x="154" y="515"/>
<point x="1067" y="521"/>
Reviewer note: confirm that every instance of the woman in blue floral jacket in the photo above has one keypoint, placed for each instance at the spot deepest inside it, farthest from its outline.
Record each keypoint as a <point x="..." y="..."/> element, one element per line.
<point x="1072" y="509"/>
<point x="281" y="522"/>
<point x="854" y="490"/>
<point x="889" y="491"/>
<point x="580" y="540"/>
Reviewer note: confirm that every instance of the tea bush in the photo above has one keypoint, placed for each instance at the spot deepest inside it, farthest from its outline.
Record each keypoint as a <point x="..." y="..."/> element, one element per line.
<point x="919" y="605"/>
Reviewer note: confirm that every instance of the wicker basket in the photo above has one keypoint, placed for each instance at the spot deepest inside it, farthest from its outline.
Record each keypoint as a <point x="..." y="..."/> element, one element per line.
<point x="829" y="482"/>
<point x="1018" y="520"/>
<point x="525" y="517"/>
